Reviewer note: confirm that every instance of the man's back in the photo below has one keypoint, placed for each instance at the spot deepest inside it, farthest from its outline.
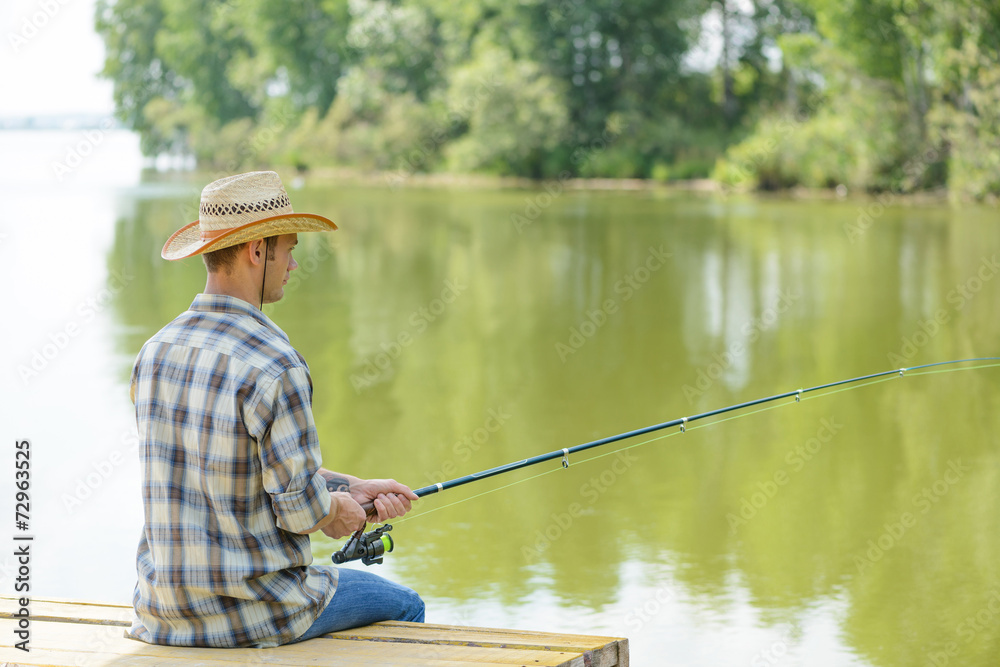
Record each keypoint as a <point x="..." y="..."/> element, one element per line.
<point x="229" y="457"/>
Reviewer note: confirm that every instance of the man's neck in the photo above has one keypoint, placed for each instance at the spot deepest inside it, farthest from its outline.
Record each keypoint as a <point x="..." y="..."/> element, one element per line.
<point x="223" y="283"/>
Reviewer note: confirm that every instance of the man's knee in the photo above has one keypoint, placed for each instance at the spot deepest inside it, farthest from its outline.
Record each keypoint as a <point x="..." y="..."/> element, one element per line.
<point x="414" y="610"/>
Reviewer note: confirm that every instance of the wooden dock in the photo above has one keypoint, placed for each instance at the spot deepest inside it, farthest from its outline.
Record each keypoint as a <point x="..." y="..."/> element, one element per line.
<point x="89" y="634"/>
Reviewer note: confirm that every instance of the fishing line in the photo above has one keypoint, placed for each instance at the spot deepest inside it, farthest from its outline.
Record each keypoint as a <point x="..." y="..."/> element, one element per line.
<point x="800" y="395"/>
<point x="955" y="370"/>
<point x="592" y="458"/>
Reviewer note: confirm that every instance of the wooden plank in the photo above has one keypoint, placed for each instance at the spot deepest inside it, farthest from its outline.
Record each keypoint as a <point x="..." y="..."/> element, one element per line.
<point x="592" y="651"/>
<point x="51" y="658"/>
<point x="4" y="599"/>
<point x="538" y="635"/>
<point x="623" y="659"/>
<point x="82" y="639"/>
<point x="491" y="645"/>
<point x="471" y="628"/>
<point x="74" y="611"/>
<point x="470" y="636"/>
<point x="65" y="611"/>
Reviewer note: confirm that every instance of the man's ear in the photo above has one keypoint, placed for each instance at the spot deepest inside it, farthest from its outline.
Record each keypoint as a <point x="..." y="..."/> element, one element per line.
<point x="256" y="250"/>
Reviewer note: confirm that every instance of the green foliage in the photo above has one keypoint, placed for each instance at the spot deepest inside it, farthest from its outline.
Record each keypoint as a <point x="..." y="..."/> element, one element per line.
<point x="842" y="129"/>
<point x="875" y="95"/>
<point x="852" y="141"/>
<point x="616" y="56"/>
<point x="965" y="115"/>
<point x="973" y="135"/>
<point x="900" y="95"/>
<point x="514" y="113"/>
<point x="395" y="41"/>
<point x="397" y="132"/>
<point x="204" y="44"/>
<point x="299" y="49"/>
<point x="865" y="31"/>
<point x="129" y="29"/>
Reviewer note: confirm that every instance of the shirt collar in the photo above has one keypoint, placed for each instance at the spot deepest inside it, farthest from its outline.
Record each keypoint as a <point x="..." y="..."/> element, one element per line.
<point x="223" y="303"/>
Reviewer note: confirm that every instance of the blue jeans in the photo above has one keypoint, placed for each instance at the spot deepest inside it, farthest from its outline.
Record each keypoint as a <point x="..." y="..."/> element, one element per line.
<point x="363" y="598"/>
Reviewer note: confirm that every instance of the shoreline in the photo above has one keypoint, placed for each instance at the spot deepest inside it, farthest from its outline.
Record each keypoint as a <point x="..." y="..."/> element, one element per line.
<point x="393" y="181"/>
<point x="701" y="186"/>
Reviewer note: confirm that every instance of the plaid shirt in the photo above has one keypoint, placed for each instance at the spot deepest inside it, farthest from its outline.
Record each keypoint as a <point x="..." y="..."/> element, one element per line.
<point x="230" y="462"/>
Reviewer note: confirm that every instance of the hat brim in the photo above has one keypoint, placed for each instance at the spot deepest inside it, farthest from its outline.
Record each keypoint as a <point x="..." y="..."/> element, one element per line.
<point x="187" y="241"/>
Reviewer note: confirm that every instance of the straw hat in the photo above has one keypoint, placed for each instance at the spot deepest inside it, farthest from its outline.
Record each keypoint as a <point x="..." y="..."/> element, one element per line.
<point x="241" y="208"/>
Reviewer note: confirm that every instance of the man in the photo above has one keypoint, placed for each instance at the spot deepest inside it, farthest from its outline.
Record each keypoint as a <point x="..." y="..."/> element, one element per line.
<point x="232" y="484"/>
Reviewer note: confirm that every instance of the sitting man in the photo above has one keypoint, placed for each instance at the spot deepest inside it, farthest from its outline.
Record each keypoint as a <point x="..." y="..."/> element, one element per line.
<point x="230" y="458"/>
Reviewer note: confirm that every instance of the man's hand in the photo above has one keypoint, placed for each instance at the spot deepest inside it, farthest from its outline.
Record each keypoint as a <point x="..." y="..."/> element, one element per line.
<point x="347" y="516"/>
<point x="391" y="499"/>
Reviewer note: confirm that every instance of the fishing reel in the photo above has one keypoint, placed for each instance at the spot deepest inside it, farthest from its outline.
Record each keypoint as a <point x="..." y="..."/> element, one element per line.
<point x="369" y="547"/>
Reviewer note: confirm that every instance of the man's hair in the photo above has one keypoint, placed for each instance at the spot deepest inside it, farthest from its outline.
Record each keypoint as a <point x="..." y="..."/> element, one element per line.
<point x="223" y="258"/>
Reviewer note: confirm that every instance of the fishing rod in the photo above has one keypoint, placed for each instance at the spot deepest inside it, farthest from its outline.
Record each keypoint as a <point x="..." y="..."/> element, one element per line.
<point x="369" y="547"/>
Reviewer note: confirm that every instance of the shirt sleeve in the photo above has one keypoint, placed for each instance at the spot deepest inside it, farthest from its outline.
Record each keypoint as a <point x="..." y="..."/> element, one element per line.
<point x="135" y="375"/>
<point x="290" y="454"/>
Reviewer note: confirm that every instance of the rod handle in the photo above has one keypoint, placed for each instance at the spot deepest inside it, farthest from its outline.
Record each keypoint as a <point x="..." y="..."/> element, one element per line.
<point x="369" y="507"/>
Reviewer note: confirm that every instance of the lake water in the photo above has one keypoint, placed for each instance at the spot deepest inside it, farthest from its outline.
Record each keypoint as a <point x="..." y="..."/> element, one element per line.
<point x="449" y="331"/>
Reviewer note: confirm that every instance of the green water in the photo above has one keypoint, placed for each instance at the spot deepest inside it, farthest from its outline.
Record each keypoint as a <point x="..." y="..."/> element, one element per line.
<point x="445" y="337"/>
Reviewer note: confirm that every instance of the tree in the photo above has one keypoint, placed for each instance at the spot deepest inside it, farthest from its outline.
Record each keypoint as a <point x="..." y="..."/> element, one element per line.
<point x="515" y="114"/>
<point x="129" y="29"/>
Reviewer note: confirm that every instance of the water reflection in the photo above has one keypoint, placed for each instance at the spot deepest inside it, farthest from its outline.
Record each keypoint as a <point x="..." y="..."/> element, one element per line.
<point x="443" y="340"/>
